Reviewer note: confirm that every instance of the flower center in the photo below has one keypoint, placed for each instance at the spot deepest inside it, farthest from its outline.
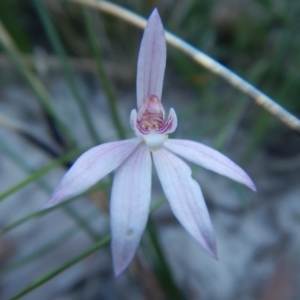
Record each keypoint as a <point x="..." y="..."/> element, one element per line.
<point x="149" y="123"/>
<point x="152" y="115"/>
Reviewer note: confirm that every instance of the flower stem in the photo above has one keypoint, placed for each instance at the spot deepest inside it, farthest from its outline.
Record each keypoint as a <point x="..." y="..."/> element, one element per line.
<point x="163" y="270"/>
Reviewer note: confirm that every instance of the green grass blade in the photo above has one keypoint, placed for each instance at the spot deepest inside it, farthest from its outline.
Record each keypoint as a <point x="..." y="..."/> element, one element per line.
<point x="49" y="246"/>
<point x="155" y="205"/>
<point x="21" y="221"/>
<point x="230" y="123"/>
<point x="42" y="94"/>
<point x="81" y="222"/>
<point x="108" y="89"/>
<point x="36" y="175"/>
<point x="10" y="12"/>
<point x="39" y="252"/>
<point x="103" y="242"/>
<point x="59" y="49"/>
<point x="163" y="269"/>
<point x="40" y="213"/>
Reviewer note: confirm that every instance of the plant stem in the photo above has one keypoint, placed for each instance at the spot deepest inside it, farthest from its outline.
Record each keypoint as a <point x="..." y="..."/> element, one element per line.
<point x="163" y="270"/>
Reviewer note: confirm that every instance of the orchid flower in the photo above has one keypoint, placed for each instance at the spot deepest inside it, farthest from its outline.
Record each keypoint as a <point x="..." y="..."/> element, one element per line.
<point x="132" y="162"/>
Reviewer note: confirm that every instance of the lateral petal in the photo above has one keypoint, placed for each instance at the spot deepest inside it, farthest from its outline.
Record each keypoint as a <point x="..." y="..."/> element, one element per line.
<point x="130" y="204"/>
<point x="151" y="60"/>
<point x="91" y="167"/>
<point x="170" y="124"/>
<point x="133" y="123"/>
<point x="185" y="198"/>
<point x="210" y="159"/>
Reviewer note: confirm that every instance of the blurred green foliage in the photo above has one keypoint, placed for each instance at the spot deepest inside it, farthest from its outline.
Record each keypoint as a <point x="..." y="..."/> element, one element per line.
<point x="259" y="40"/>
<point x="11" y="16"/>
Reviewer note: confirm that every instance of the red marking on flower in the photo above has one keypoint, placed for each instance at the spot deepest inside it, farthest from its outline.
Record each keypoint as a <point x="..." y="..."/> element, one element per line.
<point x="152" y="116"/>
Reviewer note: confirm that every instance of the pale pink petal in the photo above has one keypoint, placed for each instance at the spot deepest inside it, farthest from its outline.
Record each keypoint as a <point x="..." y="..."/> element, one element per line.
<point x="185" y="198"/>
<point x="133" y="123"/>
<point x="130" y="204"/>
<point x="151" y="60"/>
<point x="210" y="159"/>
<point x="91" y="167"/>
